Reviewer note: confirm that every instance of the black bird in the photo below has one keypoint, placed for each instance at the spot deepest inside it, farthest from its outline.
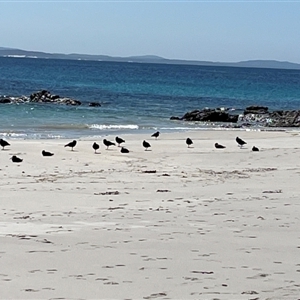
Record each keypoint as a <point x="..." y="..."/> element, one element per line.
<point x="124" y="150"/>
<point x="108" y="143"/>
<point x="3" y="143"/>
<point x="71" y="144"/>
<point x="155" y="134"/>
<point x="189" y="142"/>
<point x="218" y="146"/>
<point x="240" y="142"/>
<point x="255" y="148"/>
<point x="95" y="147"/>
<point x="46" y="153"/>
<point x="16" y="159"/>
<point x="119" y="141"/>
<point x="146" y="145"/>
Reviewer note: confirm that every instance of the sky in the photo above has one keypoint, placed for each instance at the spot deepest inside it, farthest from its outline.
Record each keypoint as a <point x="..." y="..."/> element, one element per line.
<point x="219" y="31"/>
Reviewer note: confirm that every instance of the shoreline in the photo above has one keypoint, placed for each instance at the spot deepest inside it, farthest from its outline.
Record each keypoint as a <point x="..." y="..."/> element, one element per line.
<point x="170" y="223"/>
<point x="196" y="134"/>
<point x="19" y="136"/>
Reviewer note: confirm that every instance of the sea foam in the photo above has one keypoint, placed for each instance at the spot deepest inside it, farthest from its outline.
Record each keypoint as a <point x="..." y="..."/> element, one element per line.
<point x="105" y="127"/>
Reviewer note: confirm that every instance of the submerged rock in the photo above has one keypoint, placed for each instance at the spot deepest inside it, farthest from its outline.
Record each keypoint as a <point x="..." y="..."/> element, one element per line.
<point x="94" y="104"/>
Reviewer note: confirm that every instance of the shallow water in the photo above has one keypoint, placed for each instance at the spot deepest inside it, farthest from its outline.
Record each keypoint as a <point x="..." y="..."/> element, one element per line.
<point x="134" y="97"/>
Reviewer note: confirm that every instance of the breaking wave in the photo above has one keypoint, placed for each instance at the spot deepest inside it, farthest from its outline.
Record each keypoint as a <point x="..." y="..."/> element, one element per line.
<point x="115" y="127"/>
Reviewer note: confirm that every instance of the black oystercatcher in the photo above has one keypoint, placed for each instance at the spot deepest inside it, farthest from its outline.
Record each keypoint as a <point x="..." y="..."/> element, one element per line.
<point x="3" y="143"/>
<point x="46" y="153"/>
<point x="219" y="146"/>
<point x="155" y="134"/>
<point x="189" y="142"/>
<point x="95" y="147"/>
<point x="119" y="141"/>
<point x="124" y="150"/>
<point x="146" y="145"/>
<point x="108" y="143"/>
<point x="71" y="144"/>
<point x="255" y="148"/>
<point x="240" y="141"/>
<point x="16" y="159"/>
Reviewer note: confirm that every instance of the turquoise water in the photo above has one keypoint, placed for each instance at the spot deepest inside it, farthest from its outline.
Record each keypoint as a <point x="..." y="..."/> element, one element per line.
<point x="134" y="97"/>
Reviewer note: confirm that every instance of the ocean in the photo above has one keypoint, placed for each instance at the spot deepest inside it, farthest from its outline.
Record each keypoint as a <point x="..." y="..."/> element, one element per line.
<point x="134" y="97"/>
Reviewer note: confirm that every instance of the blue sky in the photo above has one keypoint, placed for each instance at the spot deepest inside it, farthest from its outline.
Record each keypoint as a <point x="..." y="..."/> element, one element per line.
<point x="226" y="31"/>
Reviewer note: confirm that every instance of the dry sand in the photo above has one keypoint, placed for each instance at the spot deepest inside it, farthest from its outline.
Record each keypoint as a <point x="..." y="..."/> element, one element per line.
<point x="170" y="223"/>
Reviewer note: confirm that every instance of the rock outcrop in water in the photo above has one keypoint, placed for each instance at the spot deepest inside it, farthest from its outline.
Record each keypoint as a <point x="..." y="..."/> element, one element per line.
<point x="209" y="115"/>
<point x="43" y="96"/>
<point x="279" y="118"/>
<point x="252" y="116"/>
<point x="7" y="99"/>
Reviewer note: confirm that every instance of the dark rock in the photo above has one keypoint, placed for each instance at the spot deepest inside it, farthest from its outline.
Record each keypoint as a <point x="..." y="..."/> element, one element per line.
<point x="279" y="118"/>
<point x="45" y="96"/>
<point x="285" y="118"/>
<point x="41" y="96"/>
<point x="54" y="97"/>
<point x="94" y="104"/>
<point x="253" y="116"/>
<point x="32" y="96"/>
<point x="210" y="115"/>
<point x="175" y="118"/>
<point x="255" y="109"/>
<point x="69" y="101"/>
<point x="191" y="116"/>
<point x="5" y="100"/>
<point x="44" y="92"/>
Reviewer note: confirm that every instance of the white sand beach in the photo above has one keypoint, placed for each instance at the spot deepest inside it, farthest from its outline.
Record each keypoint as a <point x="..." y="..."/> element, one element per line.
<point x="170" y="223"/>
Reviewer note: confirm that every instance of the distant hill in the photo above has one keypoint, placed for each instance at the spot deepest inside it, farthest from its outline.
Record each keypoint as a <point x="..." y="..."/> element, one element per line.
<point x="268" y="64"/>
<point x="9" y="52"/>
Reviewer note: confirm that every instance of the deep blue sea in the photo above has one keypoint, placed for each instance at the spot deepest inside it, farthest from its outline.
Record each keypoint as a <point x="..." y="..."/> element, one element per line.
<point x="134" y="97"/>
